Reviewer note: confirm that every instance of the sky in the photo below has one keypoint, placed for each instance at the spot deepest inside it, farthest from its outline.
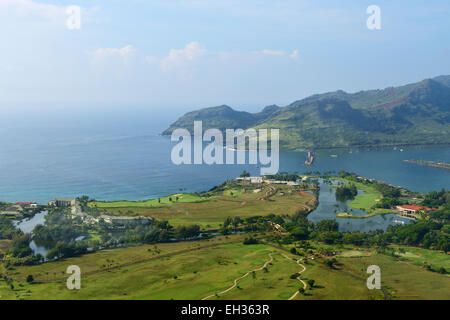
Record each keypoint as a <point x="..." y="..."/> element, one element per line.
<point x="172" y="56"/>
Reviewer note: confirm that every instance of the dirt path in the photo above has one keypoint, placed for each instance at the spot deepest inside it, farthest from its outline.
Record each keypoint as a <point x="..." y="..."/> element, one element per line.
<point x="298" y="278"/>
<point x="300" y="205"/>
<point x="241" y="277"/>
<point x="385" y="293"/>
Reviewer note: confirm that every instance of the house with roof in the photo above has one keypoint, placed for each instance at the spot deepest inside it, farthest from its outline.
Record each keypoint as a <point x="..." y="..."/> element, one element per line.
<point x="14" y="210"/>
<point x="411" y="210"/>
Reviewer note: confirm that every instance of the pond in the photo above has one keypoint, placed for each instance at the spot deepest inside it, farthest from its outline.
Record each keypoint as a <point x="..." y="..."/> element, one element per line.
<point x="328" y="205"/>
<point x="27" y="226"/>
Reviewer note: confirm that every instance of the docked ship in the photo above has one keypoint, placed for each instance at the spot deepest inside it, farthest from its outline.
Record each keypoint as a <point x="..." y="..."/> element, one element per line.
<point x="309" y="161"/>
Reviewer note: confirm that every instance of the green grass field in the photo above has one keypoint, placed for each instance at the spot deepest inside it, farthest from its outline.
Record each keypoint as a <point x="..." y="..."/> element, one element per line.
<point x="419" y="256"/>
<point x="402" y="279"/>
<point x="364" y="201"/>
<point x="197" y="269"/>
<point x="182" y="198"/>
<point x="180" y="276"/>
<point x="210" y="212"/>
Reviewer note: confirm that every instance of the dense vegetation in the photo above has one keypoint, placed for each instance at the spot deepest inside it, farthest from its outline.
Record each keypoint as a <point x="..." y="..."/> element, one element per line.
<point x="391" y="195"/>
<point x="417" y="113"/>
<point x="430" y="234"/>
<point x="7" y="228"/>
<point x="66" y="236"/>
<point x="346" y="192"/>
<point x="434" y="199"/>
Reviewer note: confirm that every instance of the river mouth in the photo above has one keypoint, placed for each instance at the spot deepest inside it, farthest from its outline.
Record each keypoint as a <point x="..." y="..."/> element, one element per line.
<point x="328" y="208"/>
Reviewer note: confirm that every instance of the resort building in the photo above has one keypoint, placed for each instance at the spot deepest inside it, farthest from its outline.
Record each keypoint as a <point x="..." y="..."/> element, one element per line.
<point x="289" y="183"/>
<point x="251" y="179"/>
<point x="411" y="209"/>
<point x="27" y="204"/>
<point x="63" y="202"/>
<point x="124" y="219"/>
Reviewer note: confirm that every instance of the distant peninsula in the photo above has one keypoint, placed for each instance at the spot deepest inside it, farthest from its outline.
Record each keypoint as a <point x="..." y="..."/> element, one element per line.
<point x="441" y="165"/>
<point x="413" y="114"/>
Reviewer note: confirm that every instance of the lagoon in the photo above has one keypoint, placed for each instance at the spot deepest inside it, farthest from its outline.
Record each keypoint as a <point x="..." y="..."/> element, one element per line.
<point x="329" y="206"/>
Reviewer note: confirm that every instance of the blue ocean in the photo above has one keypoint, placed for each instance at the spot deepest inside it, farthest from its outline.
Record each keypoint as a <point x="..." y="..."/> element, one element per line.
<point x="119" y="155"/>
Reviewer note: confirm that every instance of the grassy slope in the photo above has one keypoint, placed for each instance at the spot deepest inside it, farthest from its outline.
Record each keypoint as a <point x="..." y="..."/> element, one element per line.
<point x="410" y="114"/>
<point x="197" y="274"/>
<point x="182" y="198"/>
<point x="212" y="211"/>
<point x="207" y="271"/>
<point x="403" y="280"/>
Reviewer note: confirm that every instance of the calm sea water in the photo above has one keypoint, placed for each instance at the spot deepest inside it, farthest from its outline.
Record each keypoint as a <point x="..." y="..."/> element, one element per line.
<point x="122" y="157"/>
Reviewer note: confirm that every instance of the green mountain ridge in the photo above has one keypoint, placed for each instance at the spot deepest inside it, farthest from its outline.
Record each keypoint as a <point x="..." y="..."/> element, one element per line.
<point x="417" y="113"/>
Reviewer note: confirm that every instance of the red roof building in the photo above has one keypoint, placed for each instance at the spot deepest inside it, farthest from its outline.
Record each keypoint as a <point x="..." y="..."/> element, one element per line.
<point x="412" y="208"/>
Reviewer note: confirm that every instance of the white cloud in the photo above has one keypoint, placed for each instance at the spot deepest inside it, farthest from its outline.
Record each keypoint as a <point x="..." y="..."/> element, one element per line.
<point x="103" y="53"/>
<point x="272" y="52"/>
<point x="178" y="58"/>
<point x="294" y="55"/>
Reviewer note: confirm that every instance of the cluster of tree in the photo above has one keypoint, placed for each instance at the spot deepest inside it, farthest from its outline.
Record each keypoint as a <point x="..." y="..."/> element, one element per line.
<point x="436" y="199"/>
<point x="20" y="246"/>
<point x="313" y="173"/>
<point x="59" y="227"/>
<point x="134" y="234"/>
<point x="187" y="232"/>
<point x="387" y="203"/>
<point x="425" y="233"/>
<point x="216" y="189"/>
<point x="250" y="240"/>
<point x="7" y="228"/>
<point x="66" y="250"/>
<point x="387" y="191"/>
<point x="391" y="194"/>
<point x="85" y="207"/>
<point x="244" y="174"/>
<point x="19" y="252"/>
<point x="346" y="192"/>
<point x="284" y="176"/>
<point x="442" y="215"/>
<point x="258" y="223"/>
<point x="232" y="222"/>
<point x="251" y="224"/>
